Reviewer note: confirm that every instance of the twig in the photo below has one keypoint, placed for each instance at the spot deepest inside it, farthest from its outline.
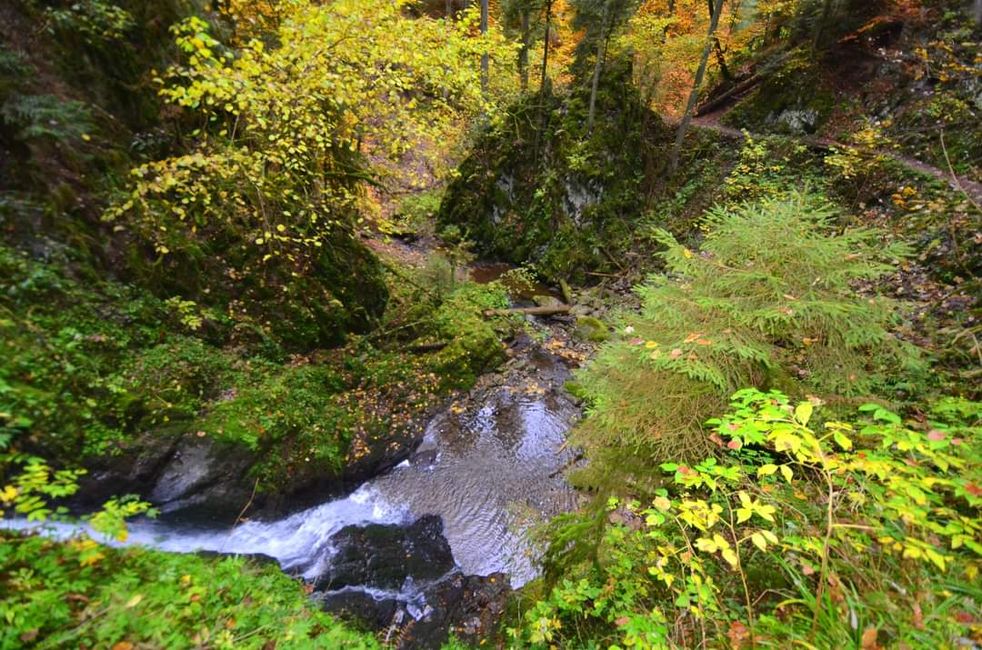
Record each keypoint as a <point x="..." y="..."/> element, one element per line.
<point x="255" y="486"/>
<point x="954" y="176"/>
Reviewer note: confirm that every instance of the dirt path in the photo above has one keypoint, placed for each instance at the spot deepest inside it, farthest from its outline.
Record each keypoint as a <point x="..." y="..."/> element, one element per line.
<point x="971" y="189"/>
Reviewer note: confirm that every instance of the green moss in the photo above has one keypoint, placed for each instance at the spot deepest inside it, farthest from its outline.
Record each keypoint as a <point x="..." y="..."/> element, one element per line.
<point x="293" y="415"/>
<point x="474" y="346"/>
<point x="793" y="99"/>
<point x="591" y="329"/>
<point x="570" y="204"/>
<point x="78" y="594"/>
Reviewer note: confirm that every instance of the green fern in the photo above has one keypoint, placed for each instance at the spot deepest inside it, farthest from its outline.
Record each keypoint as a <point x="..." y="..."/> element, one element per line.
<point x="46" y="116"/>
<point x="770" y="300"/>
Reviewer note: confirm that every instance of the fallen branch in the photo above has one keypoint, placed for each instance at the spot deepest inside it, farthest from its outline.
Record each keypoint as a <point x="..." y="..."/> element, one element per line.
<point x="549" y="310"/>
<point x="721" y="100"/>
<point x="428" y="347"/>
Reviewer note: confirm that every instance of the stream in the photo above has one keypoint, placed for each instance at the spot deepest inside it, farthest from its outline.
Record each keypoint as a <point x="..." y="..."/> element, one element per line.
<point x="489" y="466"/>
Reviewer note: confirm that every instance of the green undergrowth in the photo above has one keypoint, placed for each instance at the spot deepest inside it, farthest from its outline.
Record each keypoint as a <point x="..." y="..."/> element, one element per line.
<point x="88" y="366"/>
<point x="862" y="531"/>
<point x="80" y="594"/>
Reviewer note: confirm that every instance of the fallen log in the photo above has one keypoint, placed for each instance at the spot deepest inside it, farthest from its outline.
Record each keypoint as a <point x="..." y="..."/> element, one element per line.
<point x="548" y="310"/>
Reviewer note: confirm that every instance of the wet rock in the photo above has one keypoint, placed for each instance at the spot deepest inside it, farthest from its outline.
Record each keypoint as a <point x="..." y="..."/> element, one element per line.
<point x="374" y="613"/>
<point x="175" y="471"/>
<point x="469" y="607"/>
<point x="385" y="556"/>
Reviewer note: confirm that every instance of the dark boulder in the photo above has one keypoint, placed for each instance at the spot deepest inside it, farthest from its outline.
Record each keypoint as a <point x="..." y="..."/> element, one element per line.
<point x="469" y="607"/>
<point x="384" y="556"/>
<point x="363" y="608"/>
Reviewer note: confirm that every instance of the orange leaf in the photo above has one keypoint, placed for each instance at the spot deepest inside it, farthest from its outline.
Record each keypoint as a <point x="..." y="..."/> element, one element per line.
<point x="868" y="642"/>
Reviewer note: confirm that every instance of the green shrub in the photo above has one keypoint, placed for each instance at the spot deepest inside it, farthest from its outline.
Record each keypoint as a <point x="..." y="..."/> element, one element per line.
<point x="767" y="301"/>
<point x="417" y="212"/>
<point x="80" y="594"/>
<point x="840" y="534"/>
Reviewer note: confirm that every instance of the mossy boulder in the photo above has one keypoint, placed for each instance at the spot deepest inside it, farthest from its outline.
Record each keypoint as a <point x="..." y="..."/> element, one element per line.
<point x="591" y="329"/>
<point x="795" y="99"/>
<point x="543" y="188"/>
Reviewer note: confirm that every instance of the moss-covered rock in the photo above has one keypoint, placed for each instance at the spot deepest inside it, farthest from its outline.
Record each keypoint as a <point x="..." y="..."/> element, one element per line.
<point x="591" y="329"/>
<point x="795" y="99"/>
<point x="543" y="188"/>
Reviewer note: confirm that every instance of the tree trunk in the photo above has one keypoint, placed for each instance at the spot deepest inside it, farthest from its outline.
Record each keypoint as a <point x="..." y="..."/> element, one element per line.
<point x="718" y="48"/>
<point x="673" y="161"/>
<point x="597" y="69"/>
<point x="484" y="57"/>
<point x="978" y="12"/>
<point x="544" y="86"/>
<point x="552" y="310"/>
<point x="448" y="9"/>
<point x="545" y="49"/>
<point x="523" y="54"/>
<point x="822" y="21"/>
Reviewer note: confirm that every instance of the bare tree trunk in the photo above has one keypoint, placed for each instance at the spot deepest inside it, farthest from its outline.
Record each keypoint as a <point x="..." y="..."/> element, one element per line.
<point x="484" y="57"/>
<point x="448" y="9"/>
<point x="673" y="161"/>
<point x="545" y="89"/>
<point x="822" y="21"/>
<point x="597" y="69"/>
<point x="523" y="54"/>
<point x="545" y="48"/>
<point x="978" y="12"/>
<point x="717" y="46"/>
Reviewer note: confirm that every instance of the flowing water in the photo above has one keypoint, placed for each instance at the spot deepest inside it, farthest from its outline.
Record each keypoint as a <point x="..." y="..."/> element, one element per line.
<point x="489" y="466"/>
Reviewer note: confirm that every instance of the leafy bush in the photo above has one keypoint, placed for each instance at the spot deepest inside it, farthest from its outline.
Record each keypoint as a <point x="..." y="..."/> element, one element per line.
<point x="417" y="212"/>
<point x="842" y="534"/>
<point x="767" y="301"/>
<point x="63" y="347"/>
<point x="80" y="594"/>
<point x="95" y="20"/>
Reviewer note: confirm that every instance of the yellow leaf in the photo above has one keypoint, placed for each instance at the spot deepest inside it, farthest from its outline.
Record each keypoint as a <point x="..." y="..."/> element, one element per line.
<point x="134" y="601"/>
<point x="766" y="470"/>
<point x="8" y="494"/>
<point x="786" y="473"/>
<point x="803" y="413"/>
<point x="730" y="556"/>
<point x="759" y="541"/>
